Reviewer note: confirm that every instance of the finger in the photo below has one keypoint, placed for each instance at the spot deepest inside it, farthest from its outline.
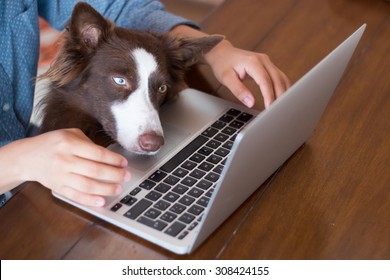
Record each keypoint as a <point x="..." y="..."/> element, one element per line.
<point x="91" y="186"/>
<point x="279" y="80"/>
<point x="99" y="171"/>
<point x="91" y="151"/>
<point x="81" y="198"/>
<point x="239" y="90"/>
<point x="286" y="81"/>
<point x="271" y="81"/>
<point x="262" y="78"/>
<point x="285" y="85"/>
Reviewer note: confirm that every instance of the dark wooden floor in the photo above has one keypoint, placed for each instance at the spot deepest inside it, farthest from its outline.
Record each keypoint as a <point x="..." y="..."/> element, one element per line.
<point x="330" y="200"/>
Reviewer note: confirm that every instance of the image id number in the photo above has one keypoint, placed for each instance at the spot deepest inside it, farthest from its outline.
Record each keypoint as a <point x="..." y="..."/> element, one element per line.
<point x="221" y="270"/>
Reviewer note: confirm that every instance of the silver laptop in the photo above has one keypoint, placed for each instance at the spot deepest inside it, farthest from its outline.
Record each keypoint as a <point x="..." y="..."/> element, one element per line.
<point x="217" y="153"/>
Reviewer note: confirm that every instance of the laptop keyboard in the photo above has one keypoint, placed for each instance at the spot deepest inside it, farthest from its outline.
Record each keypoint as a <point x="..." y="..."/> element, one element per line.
<point x="177" y="194"/>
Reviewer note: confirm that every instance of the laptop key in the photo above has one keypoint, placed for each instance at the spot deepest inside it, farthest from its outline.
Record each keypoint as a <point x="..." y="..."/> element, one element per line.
<point x="245" y="117"/>
<point x="175" y="229"/>
<point x="228" y="145"/>
<point x="210" y="132"/>
<point x="116" y="207"/>
<point x="193" y="225"/>
<point x="152" y="213"/>
<point x="186" y="218"/>
<point x="162" y="188"/>
<point x="218" y="169"/>
<point x="128" y="200"/>
<point x="147" y="185"/>
<point x="138" y="209"/>
<point x="214" y="159"/>
<point x="195" y="192"/>
<point x="222" y="152"/>
<point x="188" y="150"/>
<point x="182" y="235"/>
<point x="213" y="177"/>
<point x="218" y="125"/>
<point x="205" y="151"/>
<point x="204" y="185"/>
<point x="168" y="216"/>
<point x="209" y="193"/>
<point x="213" y="144"/>
<point x="233" y="138"/>
<point x="180" y="172"/>
<point x="188" y="181"/>
<point x="171" y="180"/>
<point x="180" y="189"/>
<point x="187" y="200"/>
<point x="158" y="225"/>
<point x="158" y="176"/>
<point x="195" y="209"/>
<point x="203" y="201"/>
<point x="189" y="165"/>
<point x="229" y="130"/>
<point x="233" y="112"/>
<point x="153" y="195"/>
<point x="162" y="205"/>
<point x="236" y="124"/>
<point x="177" y="208"/>
<point x="221" y="137"/>
<point x="135" y="191"/>
<point x="125" y="199"/>
<point x="171" y="197"/>
<point x="226" y="118"/>
<point x="205" y="166"/>
<point x="197" y="173"/>
<point x="197" y="158"/>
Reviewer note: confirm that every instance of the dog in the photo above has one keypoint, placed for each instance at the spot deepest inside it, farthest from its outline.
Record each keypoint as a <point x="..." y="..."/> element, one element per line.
<point x="110" y="81"/>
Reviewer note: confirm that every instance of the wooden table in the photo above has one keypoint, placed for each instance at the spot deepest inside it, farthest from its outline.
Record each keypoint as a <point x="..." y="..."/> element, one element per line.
<point x="330" y="200"/>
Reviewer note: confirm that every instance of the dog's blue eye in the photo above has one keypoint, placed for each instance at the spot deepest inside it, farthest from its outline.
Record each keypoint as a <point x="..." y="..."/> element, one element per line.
<point x="163" y="89"/>
<point x="119" y="81"/>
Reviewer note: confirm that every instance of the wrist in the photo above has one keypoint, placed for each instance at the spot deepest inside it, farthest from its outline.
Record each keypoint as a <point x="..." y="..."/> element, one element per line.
<point x="11" y="169"/>
<point x="217" y="52"/>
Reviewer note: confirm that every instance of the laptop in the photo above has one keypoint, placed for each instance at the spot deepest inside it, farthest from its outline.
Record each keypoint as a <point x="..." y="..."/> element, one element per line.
<point x="217" y="153"/>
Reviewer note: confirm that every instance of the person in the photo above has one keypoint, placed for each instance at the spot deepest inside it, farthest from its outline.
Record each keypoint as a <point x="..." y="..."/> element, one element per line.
<point x="66" y="161"/>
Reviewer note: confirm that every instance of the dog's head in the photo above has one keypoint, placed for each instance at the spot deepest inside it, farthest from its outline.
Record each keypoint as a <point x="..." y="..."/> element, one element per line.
<point x="121" y="77"/>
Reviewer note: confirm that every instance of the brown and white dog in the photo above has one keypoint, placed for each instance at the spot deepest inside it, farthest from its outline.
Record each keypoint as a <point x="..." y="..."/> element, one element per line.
<point x="110" y="81"/>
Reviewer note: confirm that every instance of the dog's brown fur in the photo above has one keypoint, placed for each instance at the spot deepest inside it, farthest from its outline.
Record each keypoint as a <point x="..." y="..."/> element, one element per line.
<point x="92" y="48"/>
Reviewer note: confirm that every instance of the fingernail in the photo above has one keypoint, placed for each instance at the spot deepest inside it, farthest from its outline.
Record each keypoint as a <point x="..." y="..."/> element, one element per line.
<point x="248" y="101"/>
<point x="127" y="176"/>
<point x="118" y="189"/>
<point x="99" y="202"/>
<point x="124" y="163"/>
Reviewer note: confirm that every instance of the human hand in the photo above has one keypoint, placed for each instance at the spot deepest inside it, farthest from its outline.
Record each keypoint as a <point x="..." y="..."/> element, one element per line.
<point x="232" y="65"/>
<point x="70" y="164"/>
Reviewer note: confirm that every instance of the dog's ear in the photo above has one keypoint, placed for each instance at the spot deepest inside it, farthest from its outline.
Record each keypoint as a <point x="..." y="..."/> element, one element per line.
<point x="87" y="27"/>
<point x="186" y="52"/>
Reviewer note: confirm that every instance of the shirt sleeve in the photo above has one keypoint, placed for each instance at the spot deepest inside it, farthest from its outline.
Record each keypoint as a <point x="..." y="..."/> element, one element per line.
<point x="133" y="14"/>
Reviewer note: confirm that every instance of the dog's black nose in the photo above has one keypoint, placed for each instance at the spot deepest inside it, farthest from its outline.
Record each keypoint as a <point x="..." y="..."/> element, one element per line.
<point x="150" y="141"/>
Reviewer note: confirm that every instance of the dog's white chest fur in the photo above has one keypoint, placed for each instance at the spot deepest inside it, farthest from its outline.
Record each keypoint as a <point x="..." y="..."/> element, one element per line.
<point x="137" y="115"/>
